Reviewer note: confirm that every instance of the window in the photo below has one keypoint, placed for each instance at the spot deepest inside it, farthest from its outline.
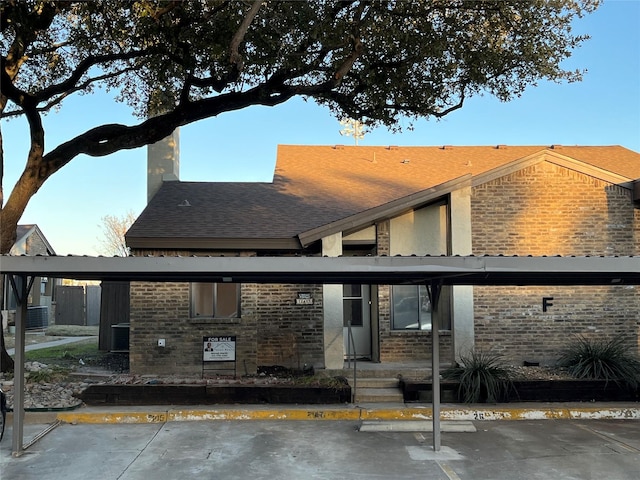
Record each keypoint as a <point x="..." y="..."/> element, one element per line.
<point x="352" y="305"/>
<point x="411" y="308"/>
<point x="219" y="300"/>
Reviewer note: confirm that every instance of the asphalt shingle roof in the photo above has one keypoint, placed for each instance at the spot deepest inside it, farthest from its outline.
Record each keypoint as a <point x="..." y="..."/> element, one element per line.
<point x="316" y="185"/>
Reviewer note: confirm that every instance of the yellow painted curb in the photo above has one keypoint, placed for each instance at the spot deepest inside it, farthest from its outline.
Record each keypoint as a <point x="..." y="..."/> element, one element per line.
<point x="264" y="414"/>
<point x="548" y="413"/>
<point x="113" y="417"/>
<point x="396" y="414"/>
<point x="353" y="414"/>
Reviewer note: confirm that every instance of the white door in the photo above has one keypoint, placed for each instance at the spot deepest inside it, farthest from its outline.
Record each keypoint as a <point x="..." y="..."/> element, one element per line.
<point x="356" y="307"/>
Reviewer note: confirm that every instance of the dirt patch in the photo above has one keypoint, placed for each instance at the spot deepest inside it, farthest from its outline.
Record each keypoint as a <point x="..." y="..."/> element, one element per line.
<point x="521" y="373"/>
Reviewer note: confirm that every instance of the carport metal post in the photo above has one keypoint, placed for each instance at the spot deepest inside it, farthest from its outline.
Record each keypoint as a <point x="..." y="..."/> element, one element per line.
<point x="21" y="285"/>
<point x="434" y="296"/>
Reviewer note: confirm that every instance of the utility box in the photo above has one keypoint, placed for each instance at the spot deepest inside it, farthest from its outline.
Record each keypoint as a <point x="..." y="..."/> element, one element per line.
<point x="120" y="337"/>
<point x="37" y="317"/>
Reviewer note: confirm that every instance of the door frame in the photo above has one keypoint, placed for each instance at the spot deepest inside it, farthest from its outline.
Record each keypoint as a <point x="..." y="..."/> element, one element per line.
<point x="369" y="300"/>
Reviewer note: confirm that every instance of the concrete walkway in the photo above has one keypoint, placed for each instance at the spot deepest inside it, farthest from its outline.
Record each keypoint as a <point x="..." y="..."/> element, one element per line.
<point x="54" y="343"/>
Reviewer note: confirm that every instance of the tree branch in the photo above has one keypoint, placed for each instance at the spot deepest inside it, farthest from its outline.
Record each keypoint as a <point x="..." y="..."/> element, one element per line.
<point x="163" y="11"/>
<point x="57" y="100"/>
<point x="234" y="56"/>
<point x="357" y="48"/>
<point x="111" y="138"/>
<point x="84" y="66"/>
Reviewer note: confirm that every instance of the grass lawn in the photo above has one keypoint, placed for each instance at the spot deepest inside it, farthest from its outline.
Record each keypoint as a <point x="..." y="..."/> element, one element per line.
<point x="66" y="355"/>
<point x="78" y="354"/>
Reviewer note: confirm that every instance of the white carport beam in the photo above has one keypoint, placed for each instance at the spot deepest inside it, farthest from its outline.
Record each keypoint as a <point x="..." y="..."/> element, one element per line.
<point x="21" y="286"/>
<point x="468" y="270"/>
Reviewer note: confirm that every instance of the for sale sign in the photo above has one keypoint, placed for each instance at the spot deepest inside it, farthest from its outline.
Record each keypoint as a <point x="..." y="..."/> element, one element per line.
<point x="219" y="349"/>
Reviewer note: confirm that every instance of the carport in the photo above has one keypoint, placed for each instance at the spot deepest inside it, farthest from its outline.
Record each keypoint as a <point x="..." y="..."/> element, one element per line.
<point x="434" y="272"/>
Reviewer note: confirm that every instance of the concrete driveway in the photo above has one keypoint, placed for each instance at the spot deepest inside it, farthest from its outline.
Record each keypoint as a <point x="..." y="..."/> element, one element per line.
<point x="278" y="450"/>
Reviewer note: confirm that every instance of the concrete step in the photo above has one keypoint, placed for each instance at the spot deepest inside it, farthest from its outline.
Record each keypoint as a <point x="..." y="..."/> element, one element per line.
<point x="377" y="395"/>
<point x="413" y="370"/>
<point x="377" y="390"/>
<point x="376" y="382"/>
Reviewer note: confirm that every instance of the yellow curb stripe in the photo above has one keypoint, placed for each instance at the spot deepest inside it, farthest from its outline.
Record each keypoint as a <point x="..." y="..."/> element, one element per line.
<point x="266" y="414"/>
<point x="352" y="414"/>
<point x="552" y="413"/>
<point x="397" y="414"/>
<point x="113" y="417"/>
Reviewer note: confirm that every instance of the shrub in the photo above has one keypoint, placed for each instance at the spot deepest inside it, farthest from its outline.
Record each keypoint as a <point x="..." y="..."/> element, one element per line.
<point x="47" y="375"/>
<point x="483" y="377"/>
<point x="601" y="359"/>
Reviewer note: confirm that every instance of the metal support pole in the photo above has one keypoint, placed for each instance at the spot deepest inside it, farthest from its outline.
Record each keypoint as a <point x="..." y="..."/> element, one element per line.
<point x="21" y="285"/>
<point x="435" y="362"/>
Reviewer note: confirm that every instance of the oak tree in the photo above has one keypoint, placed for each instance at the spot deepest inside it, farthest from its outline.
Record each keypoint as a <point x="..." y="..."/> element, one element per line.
<point x="373" y="61"/>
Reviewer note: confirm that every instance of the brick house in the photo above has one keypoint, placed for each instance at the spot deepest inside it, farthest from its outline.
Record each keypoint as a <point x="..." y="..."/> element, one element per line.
<point x="31" y="241"/>
<point x="339" y="200"/>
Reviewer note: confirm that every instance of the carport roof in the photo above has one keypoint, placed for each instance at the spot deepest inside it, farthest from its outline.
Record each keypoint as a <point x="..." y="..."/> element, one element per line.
<point x="373" y="270"/>
<point x="448" y="270"/>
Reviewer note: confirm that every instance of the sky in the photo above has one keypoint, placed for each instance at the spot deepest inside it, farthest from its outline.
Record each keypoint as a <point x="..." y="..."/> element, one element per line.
<point x="603" y="109"/>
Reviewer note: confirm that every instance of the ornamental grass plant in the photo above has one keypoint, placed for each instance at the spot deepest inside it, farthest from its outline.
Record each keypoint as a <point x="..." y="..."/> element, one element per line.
<point x="482" y="376"/>
<point x="601" y="359"/>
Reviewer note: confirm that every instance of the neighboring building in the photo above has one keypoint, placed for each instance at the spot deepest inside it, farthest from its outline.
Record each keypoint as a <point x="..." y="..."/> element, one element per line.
<point x="31" y="241"/>
<point x="340" y="200"/>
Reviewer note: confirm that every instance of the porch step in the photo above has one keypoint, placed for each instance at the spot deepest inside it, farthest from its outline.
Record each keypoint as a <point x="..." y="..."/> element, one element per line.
<point x="365" y="369"/>
<point x="377" y="390"/>
<point x="379" y="383"/>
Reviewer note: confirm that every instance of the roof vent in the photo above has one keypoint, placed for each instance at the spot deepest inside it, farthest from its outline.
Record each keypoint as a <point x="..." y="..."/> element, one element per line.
<point x="501" y="147"/>
<point x="392" y="147"/>
<point x="447" y="147"/>
<point x="405" y="160"/>
<point x="556" y="147"/>
<point x="184" y="203"/>
<point x="338" y="147"/>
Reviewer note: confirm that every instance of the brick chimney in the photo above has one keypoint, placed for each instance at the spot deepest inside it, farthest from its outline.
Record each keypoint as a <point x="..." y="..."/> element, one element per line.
<point x="163" y="157"/>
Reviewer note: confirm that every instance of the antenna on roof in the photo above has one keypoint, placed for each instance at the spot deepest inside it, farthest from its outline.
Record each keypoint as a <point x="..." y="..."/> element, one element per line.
<point x="353" y="128"/>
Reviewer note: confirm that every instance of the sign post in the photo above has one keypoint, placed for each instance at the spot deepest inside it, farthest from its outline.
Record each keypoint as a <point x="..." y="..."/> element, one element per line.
<point x="219" y="349"/>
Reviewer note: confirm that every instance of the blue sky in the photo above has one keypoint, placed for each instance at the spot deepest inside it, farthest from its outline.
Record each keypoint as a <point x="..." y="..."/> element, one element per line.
<point x="603" y="109"/>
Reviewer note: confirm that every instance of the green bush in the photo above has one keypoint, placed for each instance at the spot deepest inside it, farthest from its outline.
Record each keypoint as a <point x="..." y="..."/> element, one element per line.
<point x="482" y="376"/>
<point x="601" y="359"/>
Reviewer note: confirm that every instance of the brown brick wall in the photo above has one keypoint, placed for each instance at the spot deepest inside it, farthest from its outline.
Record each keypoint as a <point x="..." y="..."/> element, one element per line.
<point x="161" y="310"/>
<point x="510" y="320"/>
<point x="548" y="210"/>
<point x="288" y="334"/>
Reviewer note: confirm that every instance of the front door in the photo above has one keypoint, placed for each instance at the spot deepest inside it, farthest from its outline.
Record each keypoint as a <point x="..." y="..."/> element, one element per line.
<point x="357" y="310"/>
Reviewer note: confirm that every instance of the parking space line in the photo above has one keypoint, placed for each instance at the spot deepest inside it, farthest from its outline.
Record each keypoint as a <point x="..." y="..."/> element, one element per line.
<point x="448" y="471"/>
<point x="620" y="443"/>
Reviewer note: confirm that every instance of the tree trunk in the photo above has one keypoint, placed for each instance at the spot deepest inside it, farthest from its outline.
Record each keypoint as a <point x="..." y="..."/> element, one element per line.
<point x="10" y="214"/>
